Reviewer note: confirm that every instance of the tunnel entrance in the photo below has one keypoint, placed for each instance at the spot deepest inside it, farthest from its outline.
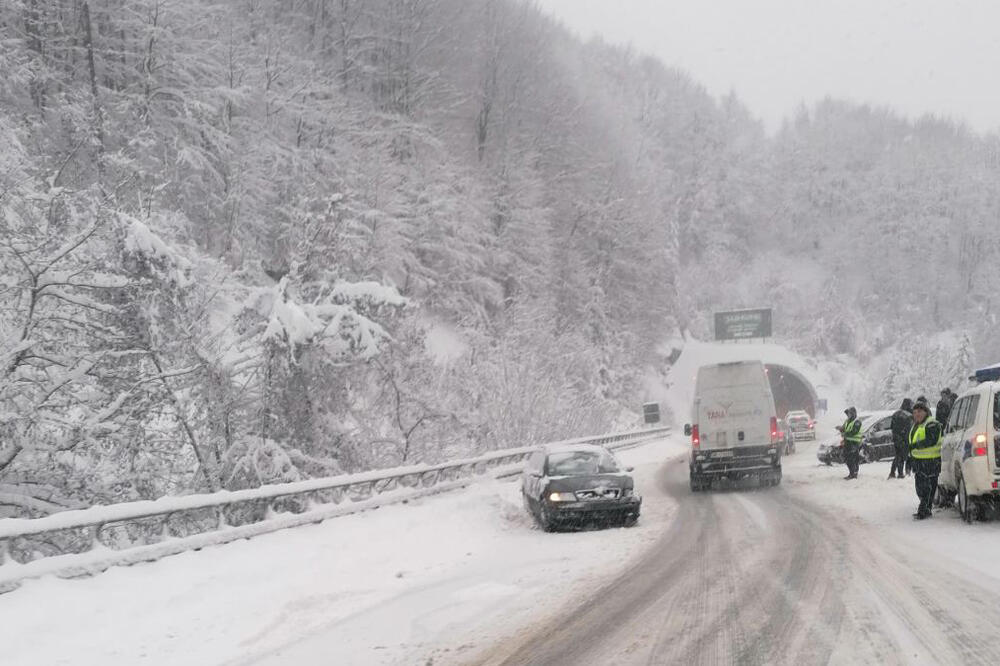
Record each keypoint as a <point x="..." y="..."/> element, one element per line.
<point x="791" y="390"/>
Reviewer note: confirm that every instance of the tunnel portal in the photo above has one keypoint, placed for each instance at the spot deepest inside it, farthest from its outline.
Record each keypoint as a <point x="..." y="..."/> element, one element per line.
<point x="791" y="390"/>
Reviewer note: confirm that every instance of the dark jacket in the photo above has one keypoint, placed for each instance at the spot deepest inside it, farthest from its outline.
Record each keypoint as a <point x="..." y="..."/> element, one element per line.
<point x="902" y="421"/>
<point x="943" y="411"/>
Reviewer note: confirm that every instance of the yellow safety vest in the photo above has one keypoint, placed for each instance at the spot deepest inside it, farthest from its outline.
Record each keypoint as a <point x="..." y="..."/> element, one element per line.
<point x="921" y="449"/>
<point x="854" y="437"/>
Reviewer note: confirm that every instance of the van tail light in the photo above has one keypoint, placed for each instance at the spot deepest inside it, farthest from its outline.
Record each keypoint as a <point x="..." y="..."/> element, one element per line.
<point x="774" y="429"/>
<point x="979" y="445"/>
<point x="695" y="438"/>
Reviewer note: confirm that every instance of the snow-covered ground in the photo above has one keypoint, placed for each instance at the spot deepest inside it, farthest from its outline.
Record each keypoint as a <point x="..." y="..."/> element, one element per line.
<point x="435" y="578"/>
<point x="888" y="505"/>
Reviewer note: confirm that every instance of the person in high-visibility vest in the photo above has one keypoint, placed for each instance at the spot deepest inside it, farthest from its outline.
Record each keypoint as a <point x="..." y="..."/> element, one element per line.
<point x="925" y="449"/>
<point x="851" y="432"/>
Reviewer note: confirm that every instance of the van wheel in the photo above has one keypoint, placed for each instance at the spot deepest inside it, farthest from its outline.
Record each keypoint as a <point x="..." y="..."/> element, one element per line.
<point x="699" y="484"/>
<point x="964" y="506"/>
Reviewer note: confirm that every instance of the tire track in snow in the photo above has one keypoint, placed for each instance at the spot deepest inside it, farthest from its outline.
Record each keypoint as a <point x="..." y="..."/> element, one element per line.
<point x="769" y="578"/>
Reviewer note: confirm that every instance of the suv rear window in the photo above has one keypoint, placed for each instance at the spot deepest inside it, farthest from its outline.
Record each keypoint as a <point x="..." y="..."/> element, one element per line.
<point x="964" y="414"/>
<point x="996" y="411"/>
<point x="972" y="411"/>
<point x="955" y="420"/>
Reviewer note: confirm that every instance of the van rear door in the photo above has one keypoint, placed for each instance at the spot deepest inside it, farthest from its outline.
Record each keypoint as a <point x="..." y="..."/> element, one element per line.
<point x="733" y="405"/>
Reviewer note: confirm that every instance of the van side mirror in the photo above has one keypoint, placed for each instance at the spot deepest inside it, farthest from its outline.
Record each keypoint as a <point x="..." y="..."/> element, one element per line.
<point x="687" y="429"/>
<point x="630" y="469"/>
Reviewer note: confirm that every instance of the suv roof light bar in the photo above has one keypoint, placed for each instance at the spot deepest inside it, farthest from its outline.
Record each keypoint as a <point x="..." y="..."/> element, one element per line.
<point x="989" y="374"/>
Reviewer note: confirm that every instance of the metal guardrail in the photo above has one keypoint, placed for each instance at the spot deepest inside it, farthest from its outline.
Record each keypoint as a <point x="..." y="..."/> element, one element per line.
<point x="226" y="516"/>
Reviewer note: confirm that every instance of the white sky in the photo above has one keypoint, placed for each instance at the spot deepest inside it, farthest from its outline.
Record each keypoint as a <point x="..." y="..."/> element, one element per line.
<point x="916" y="56"/>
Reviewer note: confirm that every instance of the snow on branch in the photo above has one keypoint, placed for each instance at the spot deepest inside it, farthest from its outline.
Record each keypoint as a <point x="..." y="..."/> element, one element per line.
<point x="334" y="322"/>
<point x="140" y="241"/>
<point x="367" y="293"/>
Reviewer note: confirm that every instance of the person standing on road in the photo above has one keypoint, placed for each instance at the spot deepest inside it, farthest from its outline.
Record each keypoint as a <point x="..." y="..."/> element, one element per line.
<point x="943" y="410"/>
<point x="851" y="431"/>
<point x="902" y="421"/>
<point x="925" y="448"/>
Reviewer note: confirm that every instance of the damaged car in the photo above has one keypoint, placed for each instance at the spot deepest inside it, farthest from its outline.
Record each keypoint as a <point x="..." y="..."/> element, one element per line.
<point x="569" y="486"/>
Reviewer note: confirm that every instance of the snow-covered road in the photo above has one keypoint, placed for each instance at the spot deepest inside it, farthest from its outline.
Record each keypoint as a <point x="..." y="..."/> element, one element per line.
<point x="440" y="577"/>
<point x="817" y="571"/>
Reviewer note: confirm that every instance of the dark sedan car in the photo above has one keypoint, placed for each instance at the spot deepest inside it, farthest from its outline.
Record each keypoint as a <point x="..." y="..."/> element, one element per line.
<point x="876" y="441"/>
<point x="574" y="486"/>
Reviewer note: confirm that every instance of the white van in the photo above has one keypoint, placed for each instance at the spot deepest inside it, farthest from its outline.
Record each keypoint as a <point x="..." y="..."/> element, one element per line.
<point x="970" y="448"/>
<point x="734" y="433"/>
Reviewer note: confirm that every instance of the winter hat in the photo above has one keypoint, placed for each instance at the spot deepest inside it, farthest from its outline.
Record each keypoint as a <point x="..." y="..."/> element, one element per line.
<point x="921" y="403"/>
<point x="907" y="405"/>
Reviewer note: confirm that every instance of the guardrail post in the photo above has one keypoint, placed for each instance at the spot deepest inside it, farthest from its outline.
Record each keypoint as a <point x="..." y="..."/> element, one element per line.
<point x="95" y="536"/>
<point x="165" y="527"/>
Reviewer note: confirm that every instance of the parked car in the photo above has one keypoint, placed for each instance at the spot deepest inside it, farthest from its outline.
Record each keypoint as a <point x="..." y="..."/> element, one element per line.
<point x="970" y="448"/>
<point x="785" y="439"/>
<point x="576" y="485"/>
<point x="801" y="425"/>
<point x="876" y="440"/>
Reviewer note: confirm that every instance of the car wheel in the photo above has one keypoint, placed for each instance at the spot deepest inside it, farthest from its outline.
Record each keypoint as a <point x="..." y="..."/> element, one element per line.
<point x="630" y="520"/>
<point x="964" y="507"/>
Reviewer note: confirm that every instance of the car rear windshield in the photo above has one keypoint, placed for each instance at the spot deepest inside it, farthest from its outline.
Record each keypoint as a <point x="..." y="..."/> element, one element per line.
<point x="576" y="463"/>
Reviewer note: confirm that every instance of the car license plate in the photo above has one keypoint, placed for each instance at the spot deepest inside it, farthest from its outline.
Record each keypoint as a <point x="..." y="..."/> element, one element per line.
<point x="723" y="454"/>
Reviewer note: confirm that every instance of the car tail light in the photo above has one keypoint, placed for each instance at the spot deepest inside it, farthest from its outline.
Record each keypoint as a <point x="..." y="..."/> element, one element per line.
<point x="812" y="424"/>
<point x="979" y="445"/>
<point x="774" y="428"/>
<point x="695" y="439"/>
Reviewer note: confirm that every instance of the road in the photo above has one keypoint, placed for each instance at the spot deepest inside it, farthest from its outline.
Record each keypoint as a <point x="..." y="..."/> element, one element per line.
<point x="766" y="577"/>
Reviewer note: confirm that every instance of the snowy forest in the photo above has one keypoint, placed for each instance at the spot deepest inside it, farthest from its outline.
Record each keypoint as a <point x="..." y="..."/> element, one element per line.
<point x="254" y="241"/>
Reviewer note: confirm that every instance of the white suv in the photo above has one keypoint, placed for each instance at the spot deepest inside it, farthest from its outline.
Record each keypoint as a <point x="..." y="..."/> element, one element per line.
<point x="970" y="446"/>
